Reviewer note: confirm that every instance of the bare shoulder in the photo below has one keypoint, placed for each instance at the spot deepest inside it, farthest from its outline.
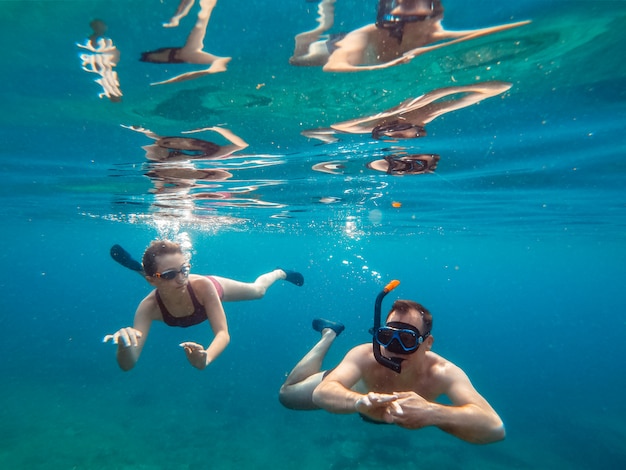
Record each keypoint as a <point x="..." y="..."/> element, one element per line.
<point x="198" y="280"/>
<point x="444" y="371"/>
<point x="363" y="34"/>
<point x="361" y="354"/>
<point x="148" y="307"/>
<point x="202" y="286"/>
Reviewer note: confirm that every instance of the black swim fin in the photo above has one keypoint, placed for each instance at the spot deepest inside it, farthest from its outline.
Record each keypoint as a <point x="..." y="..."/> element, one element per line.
<point x="294" y="277"/>
<point x="124" y="258"/>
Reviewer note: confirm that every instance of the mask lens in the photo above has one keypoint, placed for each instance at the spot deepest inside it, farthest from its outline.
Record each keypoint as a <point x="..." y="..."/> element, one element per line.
<point x="384" y="336"/>
<point x="169" y="275"/>
<point x="408" y="339"/>
<point x="172" y="273"/>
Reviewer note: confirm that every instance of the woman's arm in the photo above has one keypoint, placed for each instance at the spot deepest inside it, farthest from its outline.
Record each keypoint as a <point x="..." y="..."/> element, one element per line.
<point x="209" y="298"/>
<point x="130" y="340"/>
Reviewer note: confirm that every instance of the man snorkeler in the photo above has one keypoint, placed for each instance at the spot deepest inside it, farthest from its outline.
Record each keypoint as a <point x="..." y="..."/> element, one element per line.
<point x="400" y="385"/>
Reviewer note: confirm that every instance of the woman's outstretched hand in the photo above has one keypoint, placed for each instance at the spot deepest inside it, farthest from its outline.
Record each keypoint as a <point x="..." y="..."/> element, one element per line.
<point x="196" y="354"/>
<point x="124" y="337"/>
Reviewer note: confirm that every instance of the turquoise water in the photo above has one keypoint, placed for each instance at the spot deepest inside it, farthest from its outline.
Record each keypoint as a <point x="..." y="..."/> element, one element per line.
<point x="515" y="242"/>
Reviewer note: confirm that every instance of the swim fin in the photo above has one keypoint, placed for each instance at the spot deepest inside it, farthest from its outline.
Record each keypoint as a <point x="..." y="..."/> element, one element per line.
<point x="294" y="277"/>
<point x="124" y="258"/>
<point x="319" y="324"/>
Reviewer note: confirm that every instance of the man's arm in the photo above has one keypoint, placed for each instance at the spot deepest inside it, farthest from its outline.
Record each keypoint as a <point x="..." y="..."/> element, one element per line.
<point x="335" y="394"/>
<point x="443" y="38"/>
<point x="470" y="417"/>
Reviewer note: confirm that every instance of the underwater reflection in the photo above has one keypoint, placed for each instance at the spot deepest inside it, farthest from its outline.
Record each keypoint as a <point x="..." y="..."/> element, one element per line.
<point x="192" y="52"/>
<point x="403" y="30"/>
<point x="408" y="119"/>
<point x="190" y="176"/>
<point x="170" y="149"/>
<point x="101" y="59"/>
<point x="406" y="165"/>
<point x="396" y="163"/>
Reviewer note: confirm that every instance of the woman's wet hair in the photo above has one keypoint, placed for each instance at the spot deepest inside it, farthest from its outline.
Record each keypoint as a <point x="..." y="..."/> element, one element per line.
<point x="158" y="248"/>
<point x="405" y="306"/>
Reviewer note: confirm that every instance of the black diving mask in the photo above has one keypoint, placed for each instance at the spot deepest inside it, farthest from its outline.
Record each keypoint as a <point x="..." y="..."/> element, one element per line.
<point x="399" y="337"/>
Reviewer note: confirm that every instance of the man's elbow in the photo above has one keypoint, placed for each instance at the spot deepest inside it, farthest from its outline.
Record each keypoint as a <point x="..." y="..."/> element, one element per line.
<point x="500" y="434"/>
<point x="126" y="366"/>
<point x="495" y="433"/>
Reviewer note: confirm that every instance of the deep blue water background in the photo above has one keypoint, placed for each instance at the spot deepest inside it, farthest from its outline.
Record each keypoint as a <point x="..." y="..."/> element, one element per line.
<point x="516" y="243"/>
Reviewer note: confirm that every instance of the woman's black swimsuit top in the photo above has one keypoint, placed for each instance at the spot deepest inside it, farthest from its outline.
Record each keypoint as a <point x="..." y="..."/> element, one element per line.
<point x="198" y="315"/>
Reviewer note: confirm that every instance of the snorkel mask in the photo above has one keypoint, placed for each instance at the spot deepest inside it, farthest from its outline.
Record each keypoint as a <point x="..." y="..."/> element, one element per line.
<point x="390" y="20"/>
<point x="399" y="337"/>
<point x="392" y="363"/>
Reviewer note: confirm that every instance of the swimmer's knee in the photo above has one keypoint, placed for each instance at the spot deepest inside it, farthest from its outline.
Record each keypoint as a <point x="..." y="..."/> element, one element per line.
<point x="284" y="397"/>
<point x="258" y="292"/>
<point x="294" y="398"/>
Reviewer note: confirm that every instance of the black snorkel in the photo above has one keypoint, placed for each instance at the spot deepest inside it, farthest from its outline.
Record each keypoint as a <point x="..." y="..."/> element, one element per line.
<point x="392" y="363"/>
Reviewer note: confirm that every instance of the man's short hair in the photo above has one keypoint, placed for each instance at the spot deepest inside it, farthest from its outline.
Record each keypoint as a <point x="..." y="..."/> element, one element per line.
<point x="405" y="306"/>
<point x="158" y="248"/>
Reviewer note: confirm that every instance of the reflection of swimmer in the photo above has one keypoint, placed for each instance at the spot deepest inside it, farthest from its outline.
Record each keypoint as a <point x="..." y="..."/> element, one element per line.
<point x="188" y="176"/>
<point x="177" y="188"/>
<point x="398" y="130"/>
<point x="101" y="59"/>
<point x="177" y="181"/>
<point x="98" y="28"/>
<point x="181" y="12"/>
<point x="172" y="149"/>
<point x="407" y="120"/>
<point x="310" y="48"/>
<point x="333" y="168"/>
<point x="404" y="29"/>
<point x="407" y="165"/>
<point x="191" y="52"/>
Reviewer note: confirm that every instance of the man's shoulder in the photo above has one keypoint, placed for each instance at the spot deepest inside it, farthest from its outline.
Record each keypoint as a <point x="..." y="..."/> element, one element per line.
<point x="361" y="353"/>
<point x="442" y="368"/>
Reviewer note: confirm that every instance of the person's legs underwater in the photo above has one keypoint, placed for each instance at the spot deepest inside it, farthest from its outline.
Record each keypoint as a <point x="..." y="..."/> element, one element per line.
<point x="235" y="290"/>
<point x="296" y="392"/>
<point x="232" y="290"/>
